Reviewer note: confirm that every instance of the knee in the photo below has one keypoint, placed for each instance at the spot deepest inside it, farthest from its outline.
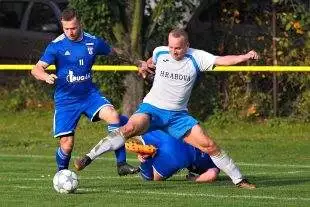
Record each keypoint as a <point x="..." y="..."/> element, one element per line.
<point x="66" y="144"/>
<point x="213" y="173"/>
<point x="113" y="114"/>
<point x="128" y="128"/>
<point x="209" y="176"/>
<point x="109" y="114"/>
<point x="157" y="177"/>
<point x="209" y="147"/>
<point x="212" y="148"/>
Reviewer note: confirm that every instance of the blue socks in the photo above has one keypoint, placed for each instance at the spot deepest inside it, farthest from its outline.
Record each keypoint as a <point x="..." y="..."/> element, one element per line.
<point x="120" y="153"/>
<point x="62" y="159"/>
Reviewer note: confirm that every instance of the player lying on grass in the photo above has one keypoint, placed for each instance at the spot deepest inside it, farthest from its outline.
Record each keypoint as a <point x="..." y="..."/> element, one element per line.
<point x="165" y="159"/>
<point x="171" y="155"/>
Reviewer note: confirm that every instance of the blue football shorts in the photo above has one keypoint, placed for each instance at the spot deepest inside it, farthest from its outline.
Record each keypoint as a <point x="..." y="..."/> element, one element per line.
<point x="66" y="116"/>
<point x="201" y="163"/>
<point x="171" y="156"/>
<point x="175" y="123"/>
<point x="165" y="165"/>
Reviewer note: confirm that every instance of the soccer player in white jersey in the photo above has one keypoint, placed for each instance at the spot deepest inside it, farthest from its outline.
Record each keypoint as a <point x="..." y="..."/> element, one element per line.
<point x="74" y="53"/>
<point x="165" y="106"/>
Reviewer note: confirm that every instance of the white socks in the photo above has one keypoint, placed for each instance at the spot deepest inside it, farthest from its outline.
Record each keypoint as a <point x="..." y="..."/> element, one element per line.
<point x="227" y="165"/>
<point x="112" y="142"/>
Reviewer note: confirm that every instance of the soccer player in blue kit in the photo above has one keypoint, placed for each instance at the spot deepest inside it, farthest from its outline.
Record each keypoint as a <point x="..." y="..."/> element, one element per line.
<point x="73" y="53"/>
<point x="173" y="155"/>
<point x="177" y="66"/>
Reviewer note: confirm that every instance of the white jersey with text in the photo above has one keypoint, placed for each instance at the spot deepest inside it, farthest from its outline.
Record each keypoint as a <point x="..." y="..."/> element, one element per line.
<point x="174" y="80"/>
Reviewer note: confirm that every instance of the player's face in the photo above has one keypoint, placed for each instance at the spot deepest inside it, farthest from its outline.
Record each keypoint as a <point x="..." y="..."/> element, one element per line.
<point x="72" y="29"/>
<point x="177" y="47"/>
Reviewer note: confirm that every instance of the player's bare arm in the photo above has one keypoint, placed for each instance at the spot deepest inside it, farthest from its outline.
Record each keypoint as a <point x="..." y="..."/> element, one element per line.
<point x="235" y="59"/>
<point x="116" y="52"/>
<point x="39" y="73"/>
<point x="121" y="54"/>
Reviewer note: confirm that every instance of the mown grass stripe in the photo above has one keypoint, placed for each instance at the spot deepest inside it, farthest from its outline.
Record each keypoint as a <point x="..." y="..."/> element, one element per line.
<point x="135" y="160"/>
<point x="49" y="177"/>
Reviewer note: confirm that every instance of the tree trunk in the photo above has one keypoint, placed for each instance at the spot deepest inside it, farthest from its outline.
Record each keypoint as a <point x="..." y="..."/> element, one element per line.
<point x="134" y="85"/>
<point x="133" y="94"/>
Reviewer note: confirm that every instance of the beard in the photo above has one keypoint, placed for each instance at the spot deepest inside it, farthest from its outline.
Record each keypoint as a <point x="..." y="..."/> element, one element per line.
<point x="75" y="37"/>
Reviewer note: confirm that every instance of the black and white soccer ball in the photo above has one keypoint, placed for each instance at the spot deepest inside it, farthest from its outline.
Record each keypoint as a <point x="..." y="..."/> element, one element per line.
<point x="65" y="181"/>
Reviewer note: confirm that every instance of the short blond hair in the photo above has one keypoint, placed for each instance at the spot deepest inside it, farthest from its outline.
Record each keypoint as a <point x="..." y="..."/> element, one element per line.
<point x="179" y="33"/>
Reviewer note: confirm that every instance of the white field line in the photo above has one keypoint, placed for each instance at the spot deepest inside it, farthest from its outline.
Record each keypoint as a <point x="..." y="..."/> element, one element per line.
<point x="42" y="178"/>
<point x="135" y="160"/>
<point x="48" y="177"/>
<point x="279" y="173"/>
<point x="182" y="195"/>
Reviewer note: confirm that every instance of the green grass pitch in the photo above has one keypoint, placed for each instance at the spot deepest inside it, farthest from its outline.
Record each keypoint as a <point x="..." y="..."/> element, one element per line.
<point x="274" y="155"/>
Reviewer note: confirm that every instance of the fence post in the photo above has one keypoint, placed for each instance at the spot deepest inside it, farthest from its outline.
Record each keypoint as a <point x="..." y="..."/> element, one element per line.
<point x="274" y="54"/>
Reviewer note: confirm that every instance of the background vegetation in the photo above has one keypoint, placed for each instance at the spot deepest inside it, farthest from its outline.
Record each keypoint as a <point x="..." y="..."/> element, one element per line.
<point x="226" y="27"/>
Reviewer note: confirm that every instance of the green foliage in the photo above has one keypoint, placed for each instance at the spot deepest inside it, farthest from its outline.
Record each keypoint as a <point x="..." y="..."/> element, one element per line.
<point x="293" y="32"/>
<point x="16" y="102"/>
<point x="98" y="18"/>
<point x="302" y="106"/>
<point x="204" y="99"/>
<point x="111" y="84"/>
<point x="29" y="94"/>
<point x="237" y="27"/>
<point x="160" y="21"/>
<point x="221" y="118"/>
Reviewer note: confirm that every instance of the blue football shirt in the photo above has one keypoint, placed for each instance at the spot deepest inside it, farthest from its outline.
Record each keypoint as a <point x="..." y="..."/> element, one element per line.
<point x="173" y="155"/>
<point x="73" y="61"/>
<point x="174" y="151"/>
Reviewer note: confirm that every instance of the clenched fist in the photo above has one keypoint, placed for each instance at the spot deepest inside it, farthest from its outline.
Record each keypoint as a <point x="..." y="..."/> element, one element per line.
<point x="50" y="78"/>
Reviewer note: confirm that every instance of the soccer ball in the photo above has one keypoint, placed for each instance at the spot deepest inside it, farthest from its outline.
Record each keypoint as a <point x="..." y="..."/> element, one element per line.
<point x="65" y="181"/>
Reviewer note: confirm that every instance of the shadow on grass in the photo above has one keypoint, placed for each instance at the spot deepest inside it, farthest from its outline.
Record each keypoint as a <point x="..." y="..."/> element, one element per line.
<point x="269" y="181"/>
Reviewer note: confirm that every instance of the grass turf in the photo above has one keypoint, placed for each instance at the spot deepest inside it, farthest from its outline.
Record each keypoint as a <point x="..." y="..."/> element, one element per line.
<point x="274" y="155"/>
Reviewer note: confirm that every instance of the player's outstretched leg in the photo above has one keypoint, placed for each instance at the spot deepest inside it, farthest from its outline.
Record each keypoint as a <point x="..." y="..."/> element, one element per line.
<point x="220" y="158"/>
<point x="123" y="168"/>
<point x="227" y="165"/>
<point x="112" y="142"/>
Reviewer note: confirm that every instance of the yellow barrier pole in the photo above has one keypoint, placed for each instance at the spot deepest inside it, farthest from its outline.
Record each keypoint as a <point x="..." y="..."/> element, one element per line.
<point x="263" y="68"/>
<point x="115" y="68"/>
<point x="95" y="67"/>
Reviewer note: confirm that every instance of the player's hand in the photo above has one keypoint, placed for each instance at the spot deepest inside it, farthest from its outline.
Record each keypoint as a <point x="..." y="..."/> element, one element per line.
<point x="143" y="157"/>
<point x="145" y="68"/>
<point x="252" y="55"/>
<point x="50" y="78"/>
